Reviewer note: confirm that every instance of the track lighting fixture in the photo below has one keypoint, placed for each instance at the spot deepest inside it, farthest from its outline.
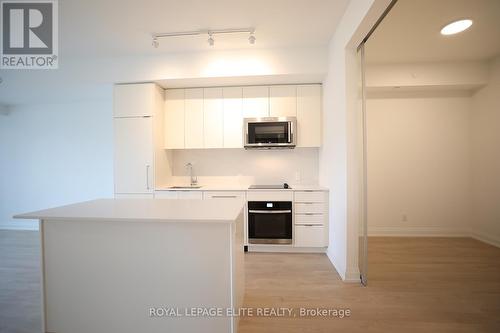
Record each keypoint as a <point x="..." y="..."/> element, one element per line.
<point x="155" y="43"/>
<point x="211" y="33"/>
<point x="210" y="39"/>
<point x="251" y="38"/>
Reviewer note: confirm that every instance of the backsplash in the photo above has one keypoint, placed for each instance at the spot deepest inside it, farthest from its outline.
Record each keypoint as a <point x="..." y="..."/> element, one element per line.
<point x="294" y="166"/>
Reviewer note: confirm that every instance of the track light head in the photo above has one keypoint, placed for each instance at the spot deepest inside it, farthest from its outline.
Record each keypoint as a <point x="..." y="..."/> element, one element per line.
<point x="155" y="42"/>
<point x="251" y="39"/>
<point x="210" y="40"/>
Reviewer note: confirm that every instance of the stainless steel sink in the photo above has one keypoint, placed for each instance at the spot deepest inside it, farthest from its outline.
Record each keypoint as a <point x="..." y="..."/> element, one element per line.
<point x="185" y="187"/>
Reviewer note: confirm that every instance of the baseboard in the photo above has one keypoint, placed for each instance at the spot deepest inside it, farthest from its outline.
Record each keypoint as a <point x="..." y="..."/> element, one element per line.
<point x="352" y="275"/>
<point x="285" y="249"/>
<point x="486" y="238"/>
<point x="412" y="231"/>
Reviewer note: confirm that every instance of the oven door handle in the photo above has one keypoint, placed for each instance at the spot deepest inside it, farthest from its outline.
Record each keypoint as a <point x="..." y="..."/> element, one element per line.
<point x="270" y="211"/>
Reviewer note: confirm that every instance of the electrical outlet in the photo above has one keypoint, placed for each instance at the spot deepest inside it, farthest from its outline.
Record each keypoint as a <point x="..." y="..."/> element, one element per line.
<point x="404" y="218"/>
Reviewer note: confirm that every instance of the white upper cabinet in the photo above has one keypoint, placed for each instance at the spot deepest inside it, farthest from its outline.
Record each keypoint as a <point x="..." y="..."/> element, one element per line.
<point x="133" y="155"/>
<point x="255" y="102"/>
<point x="233" y="119"/>
<point x="213" y="118"/>
<point x="309" y="115"/>
<point x="283" y="101"/>
<point x="174" y="119"/>
<point x="134" y="100"/>
<point x="193" y="121"/>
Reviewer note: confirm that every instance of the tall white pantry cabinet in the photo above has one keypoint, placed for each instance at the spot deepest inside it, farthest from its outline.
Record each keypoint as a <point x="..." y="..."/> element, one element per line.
<point x="139" y="154"/>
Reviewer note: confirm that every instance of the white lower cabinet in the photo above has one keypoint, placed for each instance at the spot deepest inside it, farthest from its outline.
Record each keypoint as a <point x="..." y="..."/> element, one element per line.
<point x="310" y="236"/>
<point x="311" y="225"/>
<point x="179" y="194"/>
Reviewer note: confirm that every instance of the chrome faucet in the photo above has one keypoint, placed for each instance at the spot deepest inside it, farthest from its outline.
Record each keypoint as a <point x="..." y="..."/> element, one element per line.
<point x="194" y="179"/>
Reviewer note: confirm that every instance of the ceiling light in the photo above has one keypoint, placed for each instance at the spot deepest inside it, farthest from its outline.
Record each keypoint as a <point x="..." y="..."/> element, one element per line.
<point x="456" y="27"/>
<point x="210" y="40"/>
<point x="156" y="36"/>
<point x="155" y="43"/>
<point x="251" y="39"/>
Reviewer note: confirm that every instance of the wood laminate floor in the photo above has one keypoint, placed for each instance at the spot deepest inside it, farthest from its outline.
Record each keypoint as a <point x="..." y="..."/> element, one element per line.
<point x="415" y="285"/>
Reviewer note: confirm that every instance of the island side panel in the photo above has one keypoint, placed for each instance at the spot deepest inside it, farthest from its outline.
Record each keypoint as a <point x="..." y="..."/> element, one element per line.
<point x="105" y="276"/>
<point x="238" y="267"/>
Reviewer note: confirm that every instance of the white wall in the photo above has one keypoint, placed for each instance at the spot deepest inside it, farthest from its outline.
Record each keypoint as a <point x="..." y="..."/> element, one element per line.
<point x="256" y="166"/>
<point x="52" y="155"/>
<point x="339" y="169"/>
<point x="486" y="159"/>
<point x="419" y="165"/>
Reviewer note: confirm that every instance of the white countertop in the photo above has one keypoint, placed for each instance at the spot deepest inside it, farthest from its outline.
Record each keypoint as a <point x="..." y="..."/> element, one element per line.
<point x="157" y="210"/>
<point x="242" y="188"/>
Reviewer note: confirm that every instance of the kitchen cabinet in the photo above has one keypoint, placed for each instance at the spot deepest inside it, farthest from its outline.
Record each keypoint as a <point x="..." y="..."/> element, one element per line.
<point x="179" y="194"/>
<point x="133" y="155"/>
<point x="233" y="117"/>
<point x="139" y="158"/>
<point x="133" y="100"/>
<point x="309" y="116"/>
<point x="311" y="227"/>
<point x="174" y="119"/>
<point x="255" y="101"/>
<point x="193" y="118"/>
<point x="310" y="236"/>
<point x="283" y="101"/>
<point x="213" y="118"/>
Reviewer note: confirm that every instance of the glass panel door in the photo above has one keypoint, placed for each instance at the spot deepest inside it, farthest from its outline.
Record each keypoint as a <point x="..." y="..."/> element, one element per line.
<point x="363" y="225"/>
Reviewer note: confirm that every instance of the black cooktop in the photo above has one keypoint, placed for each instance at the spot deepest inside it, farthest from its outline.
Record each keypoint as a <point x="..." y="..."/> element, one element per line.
<point x="270" y="187"/>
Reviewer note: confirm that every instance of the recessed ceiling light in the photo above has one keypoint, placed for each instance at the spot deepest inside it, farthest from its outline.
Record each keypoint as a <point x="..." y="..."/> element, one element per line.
<point x="456" y="27"/>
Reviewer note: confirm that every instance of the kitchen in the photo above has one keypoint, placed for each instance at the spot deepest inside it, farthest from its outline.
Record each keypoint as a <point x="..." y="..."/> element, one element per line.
<point x="187" y="125"/>
<point x="208" y="168"/>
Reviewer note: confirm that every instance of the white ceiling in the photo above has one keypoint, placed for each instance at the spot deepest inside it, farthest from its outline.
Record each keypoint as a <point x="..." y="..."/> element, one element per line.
<point x="411" y="32"/>
<point x="114" y="27"/>
<point x="107" y="41"/>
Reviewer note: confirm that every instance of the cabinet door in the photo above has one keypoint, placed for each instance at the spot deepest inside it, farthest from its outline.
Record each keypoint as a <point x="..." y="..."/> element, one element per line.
<point x="309" y="116"/>
<point x="174" y="119"/>
<point x="283" y="101"/>
<point x="310" y="236"/>
<point x="255" y="102"/>
<point x="134" y="100"/>
<point x="193" y="123"/>
<point x="213" y="118"/>
<point x="133" y="143"/>
<point x="233" y="120"/>
<point x="190" y="195"/>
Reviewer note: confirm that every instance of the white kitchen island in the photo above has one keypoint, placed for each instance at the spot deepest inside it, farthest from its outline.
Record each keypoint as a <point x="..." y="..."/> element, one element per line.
<point x="141" y="265"/>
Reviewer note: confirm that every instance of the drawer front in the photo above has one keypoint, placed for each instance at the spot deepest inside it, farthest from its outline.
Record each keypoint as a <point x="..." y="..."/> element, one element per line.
<point x="310" y="236"/>
<point x="304" y="208"/>
<point x="309" y="196"/>
<point x="270" y="195"/>
<point x="223" y="195"/>
<point x="134" y="196"/>
<point x="314" y="219"/>
<point x="166" y="195"/>
<point x="190" y="195"/>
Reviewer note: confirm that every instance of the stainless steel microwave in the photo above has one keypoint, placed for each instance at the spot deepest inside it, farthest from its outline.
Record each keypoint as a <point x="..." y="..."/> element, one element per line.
<point x="270" y="132"/>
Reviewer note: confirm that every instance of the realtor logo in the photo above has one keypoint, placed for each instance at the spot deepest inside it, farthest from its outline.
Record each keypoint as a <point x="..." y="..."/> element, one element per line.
<point x="29" y="34"/>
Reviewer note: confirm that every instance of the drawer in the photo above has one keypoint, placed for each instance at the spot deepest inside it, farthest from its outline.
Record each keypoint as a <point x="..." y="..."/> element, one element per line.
<point x="310" y="236"/>
<point x="190" y="195"/>
<point x="309" y="196"/>
<point x="166" y="195"/>
<point x="315" y="219"/>
<point x="283" y="195"/>
<point x="304" y="208"/>
<point x="223" y="195"/>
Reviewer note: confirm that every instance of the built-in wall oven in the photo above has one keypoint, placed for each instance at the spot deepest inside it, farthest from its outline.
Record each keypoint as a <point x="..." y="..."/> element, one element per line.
<point x="270" y="222"/>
